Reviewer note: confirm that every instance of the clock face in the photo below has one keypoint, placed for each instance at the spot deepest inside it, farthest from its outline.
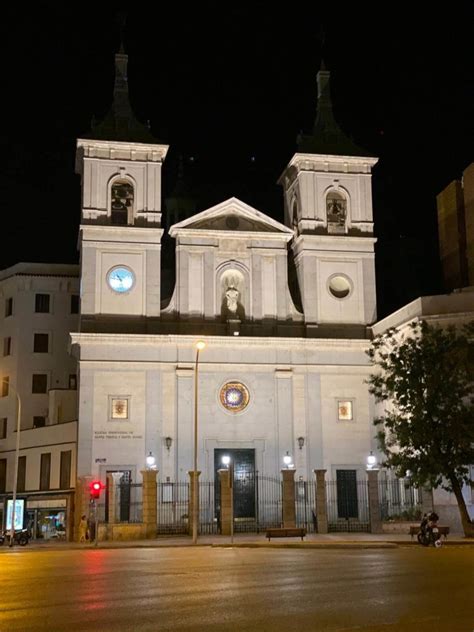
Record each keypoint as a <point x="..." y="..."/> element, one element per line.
<point x="120" y="279"/>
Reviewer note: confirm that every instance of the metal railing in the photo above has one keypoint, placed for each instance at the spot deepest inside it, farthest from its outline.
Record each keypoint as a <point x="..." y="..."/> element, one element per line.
<point x="348" y="506"/>
<point x="399" y="500"/>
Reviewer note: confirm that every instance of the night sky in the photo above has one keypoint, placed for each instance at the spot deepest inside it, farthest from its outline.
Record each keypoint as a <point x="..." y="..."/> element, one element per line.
<point x="228" y="87"/>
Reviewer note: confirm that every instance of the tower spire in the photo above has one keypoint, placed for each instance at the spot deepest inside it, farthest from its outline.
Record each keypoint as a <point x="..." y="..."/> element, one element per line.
<point x="120" y="122"/>
<point x="327" y="137"/>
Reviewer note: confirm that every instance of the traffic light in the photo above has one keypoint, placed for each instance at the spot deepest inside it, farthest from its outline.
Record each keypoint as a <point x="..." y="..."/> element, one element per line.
<point x="95" y="488"/>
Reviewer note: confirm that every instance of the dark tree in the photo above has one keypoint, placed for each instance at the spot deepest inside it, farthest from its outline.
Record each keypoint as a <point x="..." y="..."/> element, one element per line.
<point x="426" y="377"/>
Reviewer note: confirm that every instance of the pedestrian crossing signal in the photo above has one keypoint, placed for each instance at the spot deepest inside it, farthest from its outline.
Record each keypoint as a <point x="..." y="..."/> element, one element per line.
<point x="95" y="489"/>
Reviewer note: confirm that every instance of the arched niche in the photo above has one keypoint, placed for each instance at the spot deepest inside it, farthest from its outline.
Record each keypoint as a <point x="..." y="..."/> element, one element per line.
<point x="232" y="292"/>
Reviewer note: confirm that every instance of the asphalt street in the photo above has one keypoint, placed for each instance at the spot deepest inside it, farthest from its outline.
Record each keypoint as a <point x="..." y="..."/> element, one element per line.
<point x="237" y="589"/>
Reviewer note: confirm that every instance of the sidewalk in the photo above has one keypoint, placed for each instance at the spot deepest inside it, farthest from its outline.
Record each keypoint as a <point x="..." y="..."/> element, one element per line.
<point x="253" y="540"/>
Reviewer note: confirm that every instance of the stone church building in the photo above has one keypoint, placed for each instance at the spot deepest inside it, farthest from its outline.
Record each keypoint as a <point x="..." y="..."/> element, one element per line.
<point x="283" y="309"/>
<point x="258" y="352"/>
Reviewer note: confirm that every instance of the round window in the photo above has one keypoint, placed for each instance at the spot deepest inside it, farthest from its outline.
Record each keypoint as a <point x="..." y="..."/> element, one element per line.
<point x="234" y="396"/>
<point x="339" y="286"/>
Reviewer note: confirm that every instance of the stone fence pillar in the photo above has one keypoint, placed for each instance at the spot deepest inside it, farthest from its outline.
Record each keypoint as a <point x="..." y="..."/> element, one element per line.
<point x="226" y="501"/>
<point x="321" y="502"/>
<point x="374" y="502"/>
<point x="82" y="499"/>
<point x="288" y="500"/>
<point x="113" y="497"/>
<point x="150" y="502"/>
<point x="193" y="500"/>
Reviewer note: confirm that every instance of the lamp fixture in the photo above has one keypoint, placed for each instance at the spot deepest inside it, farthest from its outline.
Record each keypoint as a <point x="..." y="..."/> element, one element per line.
<point x="287" y="460"/>
<point x="300" y="442"/>
<point x="168" y="442"/>
<point x="150" y="461"/>
<point x="371" y="461"/>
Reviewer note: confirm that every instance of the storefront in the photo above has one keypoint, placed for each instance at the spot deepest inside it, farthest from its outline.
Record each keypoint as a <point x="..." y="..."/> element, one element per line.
<point x="47" y="522"/>
<point x="47" y="517"/>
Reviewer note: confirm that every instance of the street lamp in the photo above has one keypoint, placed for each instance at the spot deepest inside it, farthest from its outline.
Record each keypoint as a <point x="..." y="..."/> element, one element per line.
<point x="150" y="461"/>
<point x="287" y="460"/>
<point x="227" y="461"/>
<point x="372" y="462"/>
<point x="17" y="457"/>
<point x="199" y="347"/>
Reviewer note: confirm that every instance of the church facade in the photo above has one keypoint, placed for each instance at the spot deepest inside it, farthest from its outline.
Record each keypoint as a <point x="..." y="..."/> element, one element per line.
<point x="283" y="309"/>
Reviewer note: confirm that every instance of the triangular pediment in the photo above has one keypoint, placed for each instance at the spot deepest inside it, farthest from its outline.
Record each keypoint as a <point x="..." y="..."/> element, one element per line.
<point x="232" y="216"/>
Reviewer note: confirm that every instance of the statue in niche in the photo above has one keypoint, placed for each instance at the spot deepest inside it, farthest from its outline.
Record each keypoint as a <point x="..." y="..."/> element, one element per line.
<point x="232" y="297"/>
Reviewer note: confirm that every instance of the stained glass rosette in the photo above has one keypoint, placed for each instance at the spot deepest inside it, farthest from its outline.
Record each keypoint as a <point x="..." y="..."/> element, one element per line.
<point x="234" y="396"/>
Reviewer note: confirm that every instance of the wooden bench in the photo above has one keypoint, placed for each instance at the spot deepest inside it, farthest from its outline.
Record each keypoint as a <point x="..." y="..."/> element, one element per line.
<point x="443" y="530"/>
<point x="288" y="532"/>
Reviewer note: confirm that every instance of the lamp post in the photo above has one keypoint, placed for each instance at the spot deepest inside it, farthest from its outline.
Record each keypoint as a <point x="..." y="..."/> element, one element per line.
<point x="287" y="460"/>
<point x="199" y="347"/>
<point x="227" y="461"/>
<point x="17" y="456"/>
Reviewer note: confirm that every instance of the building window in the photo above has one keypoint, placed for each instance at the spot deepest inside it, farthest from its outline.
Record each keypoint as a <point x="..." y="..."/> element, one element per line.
<point x="39" y="383"/>
<point x="41" y="343"/>
<point x="5" y="386"/>
<point x="65" y="470"/>
<point x="119" y="407"/>
<point x="7" y="346"/>
<point x="121" y="203"/>
<point x="39" y="422"/>
<point x="8" y="307"/>
<point x="74" y="303"/>
<point x="3" y="427"/>
<point x="42" y="303"/>
<point x="73" y="382"/>
<point x="3" y="476"/>
<point x="21" y="480"/>
<point x="344" y="410"/>
<point x="45" y="470"/>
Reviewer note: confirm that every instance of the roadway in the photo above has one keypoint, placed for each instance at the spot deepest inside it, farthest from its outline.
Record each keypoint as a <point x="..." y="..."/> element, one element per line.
<point x="196" y="589"/>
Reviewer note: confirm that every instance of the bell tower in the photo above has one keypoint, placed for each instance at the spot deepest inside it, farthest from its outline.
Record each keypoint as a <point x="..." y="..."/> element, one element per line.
<point x="120" y="163"/>
<point x="328" y="203"/>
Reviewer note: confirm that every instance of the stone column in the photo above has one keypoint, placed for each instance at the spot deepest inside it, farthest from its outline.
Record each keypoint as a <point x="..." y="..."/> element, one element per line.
<point x="226" y="501"/>
<point x="374" y="502"/>
<point x="192" y="500"/>
<point x="113" y="498"/>
<point x="82" y="498"/>
<point x="288" y="500"/>
<point x="321" y="502"/>
<point x="150" y="504"/>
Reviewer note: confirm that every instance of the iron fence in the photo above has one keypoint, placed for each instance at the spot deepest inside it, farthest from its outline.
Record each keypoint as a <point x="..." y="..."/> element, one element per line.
<point x="172" y="507"/>
<point x="258" y="504"/>
<point x="399" y="500"/>
<point x="305" y="505"/>
<point x="348" y="506"/>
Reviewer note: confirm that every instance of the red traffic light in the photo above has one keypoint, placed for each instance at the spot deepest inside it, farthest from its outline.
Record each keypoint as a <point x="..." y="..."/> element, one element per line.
<point x="95" y="488"/>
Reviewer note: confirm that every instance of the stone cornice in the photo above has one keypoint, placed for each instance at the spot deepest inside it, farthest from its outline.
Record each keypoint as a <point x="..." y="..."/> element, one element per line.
<point x="118" y="340"/>
<point x="122" y="234"/>
<point x="103" y="149"/>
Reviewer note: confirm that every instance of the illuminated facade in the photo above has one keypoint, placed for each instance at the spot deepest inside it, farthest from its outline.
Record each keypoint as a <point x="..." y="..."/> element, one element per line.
<point x="284" y="310"/>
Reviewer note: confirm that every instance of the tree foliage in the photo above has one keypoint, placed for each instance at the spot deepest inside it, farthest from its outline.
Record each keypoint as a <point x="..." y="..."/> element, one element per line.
<point x="425" y="376"/>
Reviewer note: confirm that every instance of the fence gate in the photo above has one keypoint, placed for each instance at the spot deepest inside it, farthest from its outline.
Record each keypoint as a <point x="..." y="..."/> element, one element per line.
<point x="347" y="503"/>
